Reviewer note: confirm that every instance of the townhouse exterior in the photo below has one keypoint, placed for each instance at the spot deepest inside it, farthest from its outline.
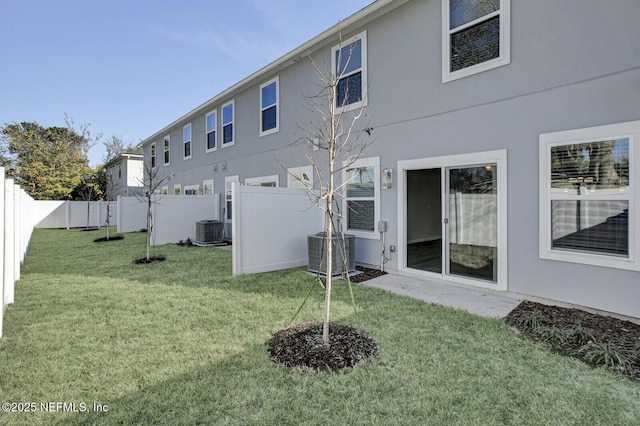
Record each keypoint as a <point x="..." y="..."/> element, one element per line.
<point x="502" y="142"/>
<point x="125" y="175"/>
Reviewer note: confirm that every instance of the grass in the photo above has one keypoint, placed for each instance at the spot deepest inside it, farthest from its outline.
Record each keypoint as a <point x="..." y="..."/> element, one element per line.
<point x="184" y="342"/>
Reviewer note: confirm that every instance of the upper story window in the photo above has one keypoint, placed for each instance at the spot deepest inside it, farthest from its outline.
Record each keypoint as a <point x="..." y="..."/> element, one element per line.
<point x="228" y="130"/>
<point x="167" y="149"/>
<point x="476" y="36"/>
<point x="587" y="196"/>
<point x="362" y="201"/>
<point x="153" y="155"/>
<point x="349" y="63"/>
<point x="211" y="123"/>
<point x="186" y="141"/>
<point x="269" y="114"/>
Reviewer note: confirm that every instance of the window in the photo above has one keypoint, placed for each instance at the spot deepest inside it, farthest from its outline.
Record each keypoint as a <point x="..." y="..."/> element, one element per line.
<point x="211" y="120"/>
<point x="186" y="141"/>
<point x="269" y="114"/>
<point x="229" y="196"/>
<point x="362" y="201"/>
<point x="165" y="190"/>
<point x="349" y="62"/>
<point x="177" y="189"/>
<point x="120" y="170"/>
<point x="228" y="132"/>
<point x="153" y="155"/>
<point x="167" y="149"/>
<point x="191" y="190"/>
<point x="587" y="192"/>
<point x="476" y="36"/>
<point x="272" y="181"/>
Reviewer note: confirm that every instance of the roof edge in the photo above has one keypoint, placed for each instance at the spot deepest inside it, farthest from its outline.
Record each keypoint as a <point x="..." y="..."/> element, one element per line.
<point x="363" y="16"/>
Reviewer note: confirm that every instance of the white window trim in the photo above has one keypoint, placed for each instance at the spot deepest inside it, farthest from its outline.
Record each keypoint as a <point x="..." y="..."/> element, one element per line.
<point x="208" y="182"/>
<point x="207" y="131"/>
<point x="165" y="190"/>
<point x="294" y="177"/>
<point x="363" y="70"/>
<point x="363" y="162"/>
<point x="233" y="124"/>
<point x="184" y="141"/>
<point x="505" y="43"/>
<point x="276" y="129"/>
<point x="178" y="187"/>
<point x="228" y="196"/>
<point x="166" y="148"/>
<point x="630" y="130"/>
<point x="258" y="181"/>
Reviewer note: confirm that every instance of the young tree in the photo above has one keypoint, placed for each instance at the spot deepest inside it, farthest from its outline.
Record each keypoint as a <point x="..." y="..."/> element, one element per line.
<point x="111" y="188"/>
<point x="90" y="187"/>
<point x="114" y="146"/>
<point x="337" y="145"/>
<point x="153" y="182"/>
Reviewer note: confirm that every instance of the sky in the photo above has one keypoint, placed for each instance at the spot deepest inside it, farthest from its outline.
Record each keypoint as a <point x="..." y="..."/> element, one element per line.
<point x="127" y="68"/>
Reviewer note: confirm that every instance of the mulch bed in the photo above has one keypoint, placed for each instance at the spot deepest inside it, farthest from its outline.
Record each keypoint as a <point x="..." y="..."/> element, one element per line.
<point x="302" y="346"/>
<point x="366" y="274"/>
<point x="593" y="338"/>
<point x="152" y="259"/>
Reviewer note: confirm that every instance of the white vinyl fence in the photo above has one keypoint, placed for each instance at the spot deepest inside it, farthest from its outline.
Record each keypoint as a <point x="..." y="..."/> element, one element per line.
<point x="270" y="228"/>
<point x="18" y="216"/>
<point x="74" y="214"/>
<point x="174" y="216"/>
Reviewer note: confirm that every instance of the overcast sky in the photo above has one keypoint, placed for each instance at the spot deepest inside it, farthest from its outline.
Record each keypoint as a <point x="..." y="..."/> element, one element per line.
<point x="130" y="67"/>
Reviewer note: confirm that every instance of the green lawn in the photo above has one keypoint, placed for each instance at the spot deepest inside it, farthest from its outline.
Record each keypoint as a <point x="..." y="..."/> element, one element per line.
<point x="184" y="342"/>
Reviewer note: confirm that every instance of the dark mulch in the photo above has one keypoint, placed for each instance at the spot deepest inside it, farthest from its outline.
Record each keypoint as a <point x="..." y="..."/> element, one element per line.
<point x="302" y="346"/>
<point x="595" y="339"/>
<point x="105" y="239"/>
<point x="152" y="259"/>
<point x="366" y="274"/>
<point x="89" y="229"/>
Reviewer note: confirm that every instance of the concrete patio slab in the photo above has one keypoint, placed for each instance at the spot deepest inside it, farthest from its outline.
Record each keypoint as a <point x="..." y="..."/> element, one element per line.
<point x="476" y="301"/>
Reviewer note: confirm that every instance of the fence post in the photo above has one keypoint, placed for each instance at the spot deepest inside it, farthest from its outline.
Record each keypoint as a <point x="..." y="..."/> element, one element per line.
<point x="17" y="233"/>
<point x="9" y="254"/>
<point x="2" y="228"/>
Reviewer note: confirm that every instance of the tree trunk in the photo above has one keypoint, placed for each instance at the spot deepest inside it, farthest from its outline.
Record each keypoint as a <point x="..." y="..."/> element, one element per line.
<point x="108" y="217"/>
<point x="328" y="273"/>
<point x="149" y="227"/>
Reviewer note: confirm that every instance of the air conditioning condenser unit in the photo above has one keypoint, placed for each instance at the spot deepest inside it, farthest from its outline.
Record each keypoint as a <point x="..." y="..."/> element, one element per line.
<point x="316" y="254"/>
<point x="209" y="232"/>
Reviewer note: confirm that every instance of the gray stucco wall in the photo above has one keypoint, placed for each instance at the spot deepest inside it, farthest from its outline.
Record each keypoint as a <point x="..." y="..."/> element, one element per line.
<point x="574" y="64"/>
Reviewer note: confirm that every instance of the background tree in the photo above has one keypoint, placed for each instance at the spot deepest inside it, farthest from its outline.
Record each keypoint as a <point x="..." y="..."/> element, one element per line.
<point x="48" y="163"/>
<point x="332" y="130"/>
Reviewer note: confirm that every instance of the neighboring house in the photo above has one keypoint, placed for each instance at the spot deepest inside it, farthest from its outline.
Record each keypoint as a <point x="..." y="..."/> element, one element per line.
<point x="504" y="141"/>
<point x="125" y="175"/>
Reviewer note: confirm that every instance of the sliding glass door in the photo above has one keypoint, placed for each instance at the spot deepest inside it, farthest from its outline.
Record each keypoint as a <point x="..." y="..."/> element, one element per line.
<point x="452" y="220"/>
